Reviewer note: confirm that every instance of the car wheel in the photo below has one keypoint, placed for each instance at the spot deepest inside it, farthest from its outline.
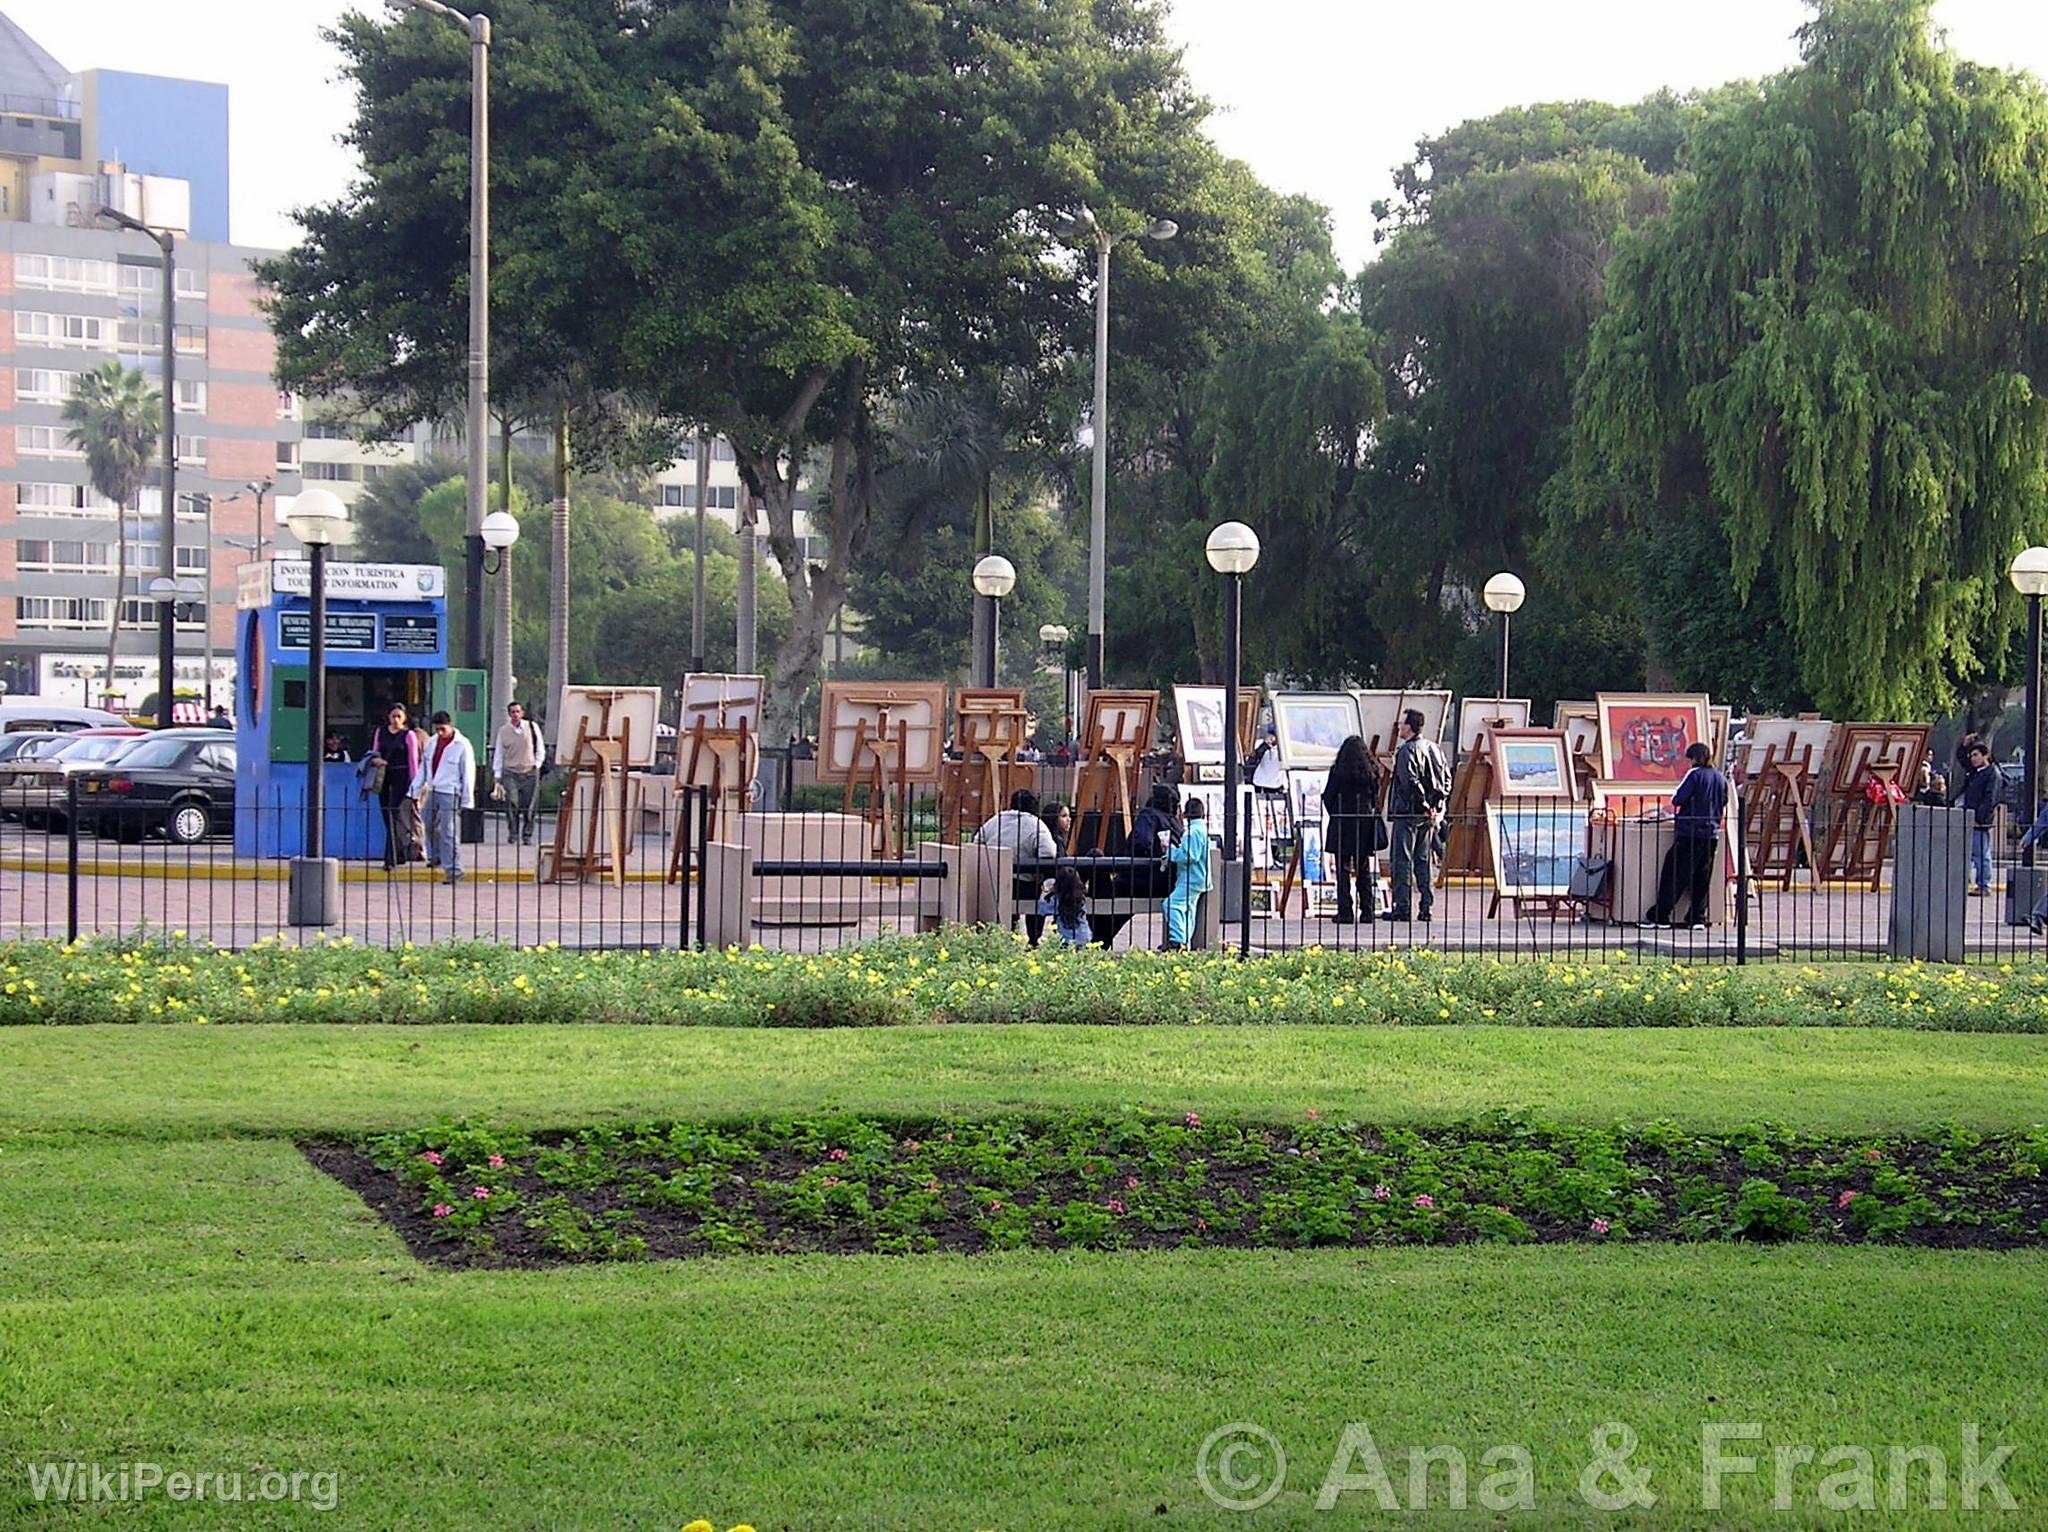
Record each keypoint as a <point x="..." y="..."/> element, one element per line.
<point x="188" y="823"/>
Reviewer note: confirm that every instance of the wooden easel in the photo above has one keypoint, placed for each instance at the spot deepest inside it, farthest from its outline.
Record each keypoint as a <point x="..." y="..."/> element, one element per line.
<point x="721" y="762"/>
<point x="990" y="726"/>
<point x="881" y="735"/>
<point x="597" y="763"/>
<point x="1468" y="850"/>
<point x="1109" y="765"/>
<point x="1859" y="834"/>
<point x="1778" y="816"/>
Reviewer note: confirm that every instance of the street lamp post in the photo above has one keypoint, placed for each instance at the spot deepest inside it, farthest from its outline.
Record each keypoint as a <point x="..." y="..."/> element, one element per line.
<point x="259" y="488"/>
<point x="2029" y="575"/>
<point x="1504" y="595"/>
<point x="501" y="531"/>
<point x="478" y="425"/>
<point x="1233" y="548"/>
<point x="994" y="578"/>
<point x="317" y="519"/>
<point x="1083" y="225"/>
<point x="166" y="616"/>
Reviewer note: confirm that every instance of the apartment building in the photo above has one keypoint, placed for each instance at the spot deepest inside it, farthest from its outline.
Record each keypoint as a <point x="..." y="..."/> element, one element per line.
<point x="75" y="294"/>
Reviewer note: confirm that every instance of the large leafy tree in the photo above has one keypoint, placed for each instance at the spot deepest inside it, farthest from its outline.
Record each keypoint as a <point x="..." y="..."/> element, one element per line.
<point x="1831" y="343"/>
<point x="116" y="418"/>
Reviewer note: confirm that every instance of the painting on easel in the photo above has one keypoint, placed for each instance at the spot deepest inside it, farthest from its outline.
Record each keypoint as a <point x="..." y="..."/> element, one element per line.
<point x="881" y="735"/>
<point x="718" y="749"/>
<point x="1116" y="730"/>
<point x="602" y="732"/>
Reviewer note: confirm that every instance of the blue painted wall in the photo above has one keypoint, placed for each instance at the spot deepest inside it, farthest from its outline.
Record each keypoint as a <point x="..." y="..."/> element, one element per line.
<point x="158" y="126"/>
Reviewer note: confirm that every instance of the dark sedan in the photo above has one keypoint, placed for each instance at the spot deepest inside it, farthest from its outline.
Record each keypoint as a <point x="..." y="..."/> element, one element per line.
<point x="179" y="781"/>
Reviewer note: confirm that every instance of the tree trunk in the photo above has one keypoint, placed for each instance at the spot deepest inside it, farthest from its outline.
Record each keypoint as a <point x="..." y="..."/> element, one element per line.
<point x="120" y="596"/>
<point x="746" y="633"/>
<point x="558" y="573"/>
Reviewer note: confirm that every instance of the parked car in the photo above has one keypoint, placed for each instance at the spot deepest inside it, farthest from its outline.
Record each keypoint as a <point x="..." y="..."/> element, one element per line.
<point x="60" y="717"/>
<point x="33" y="790"/>
<point x="27" y="744"/>
<point x="179" y="781"/>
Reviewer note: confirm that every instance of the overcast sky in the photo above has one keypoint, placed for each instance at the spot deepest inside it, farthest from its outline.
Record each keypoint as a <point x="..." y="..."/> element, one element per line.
<point x="1319" y="96"/>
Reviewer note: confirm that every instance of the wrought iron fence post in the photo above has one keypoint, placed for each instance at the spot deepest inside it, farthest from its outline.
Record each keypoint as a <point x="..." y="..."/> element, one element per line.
<point x="1741" y="885"/>
<point x="70" y="858"/>
<point x="1243" y="807"/>
<point x="703" y="855"/>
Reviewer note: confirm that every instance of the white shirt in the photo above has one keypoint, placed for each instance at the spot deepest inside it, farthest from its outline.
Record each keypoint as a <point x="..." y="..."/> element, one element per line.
<point x="1271" y="772"/>
<point x="455" y="773"/>
<point x="1023" y="833"/>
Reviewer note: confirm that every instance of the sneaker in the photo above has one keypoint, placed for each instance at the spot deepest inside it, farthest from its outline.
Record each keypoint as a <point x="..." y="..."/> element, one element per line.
<point x="453" y="878"/>
<point x="1980" y="893"/>
<point x="2036" y="924"/>
<point x="1402" y="916"/>
<point x="1653" y="925"/>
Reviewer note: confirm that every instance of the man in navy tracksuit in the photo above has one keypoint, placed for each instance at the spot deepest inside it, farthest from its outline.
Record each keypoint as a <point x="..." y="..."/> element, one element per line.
<point x="1700" y="802"/>
<point x="1980" y="797"/>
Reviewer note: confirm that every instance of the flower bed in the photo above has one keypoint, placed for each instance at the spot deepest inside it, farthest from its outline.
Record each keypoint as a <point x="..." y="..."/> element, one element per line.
<point x="470" y="1194"/>
<point x="980" y="976"/>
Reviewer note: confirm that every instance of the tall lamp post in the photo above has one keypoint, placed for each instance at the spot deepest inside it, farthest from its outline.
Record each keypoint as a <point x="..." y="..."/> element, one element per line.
<point x="317" y="519"/>
<point x="1052" y="643"/>
<point x="994" y="578"/>
<point x="1082" y="225"/>
<point x="166" y="615"/>
<point x="1504" y="594"/>
<point x="259" y="488"/>
<point x="478" y="424"/>
<point x="1233" y="548"/>
<point x="2029" y="575"/>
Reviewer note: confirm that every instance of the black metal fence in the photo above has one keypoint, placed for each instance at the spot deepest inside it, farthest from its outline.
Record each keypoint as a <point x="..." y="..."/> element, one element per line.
<point x="1514" y="883"/>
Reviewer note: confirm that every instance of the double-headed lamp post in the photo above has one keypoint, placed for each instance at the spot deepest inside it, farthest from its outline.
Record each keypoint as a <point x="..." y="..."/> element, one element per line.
<point x="2029" y="575"/>
<point x="501" y="531"/>
<point x="1052" y="643"/>
<point x="317" y="519"/>
<point x="1504" y="594"/>
<point x="994" y="578"/>
<point x="1082" y="225"/>
<point x="1233" y="548"/>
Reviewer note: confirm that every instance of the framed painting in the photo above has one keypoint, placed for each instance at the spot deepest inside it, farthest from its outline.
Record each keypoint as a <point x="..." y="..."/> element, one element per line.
<point x="1861" y="750"/>
<point x="1531" y="763"/>
<point x="1435" y="708"/>
<point x="1198" y="713"/>
<point x="1478" y="714"/>
<point x="1792" y="741"/>
<point x="1312" y="725"/>
<point x="895" y="726"/>
<point x="1378" y="712"/>
<point x="1537" y="846"/>
<point x="1718" y="719"/>
<point x="1631" y="800"/>
<point x="1644" y="735"/>
<point x="1581" y="724"/>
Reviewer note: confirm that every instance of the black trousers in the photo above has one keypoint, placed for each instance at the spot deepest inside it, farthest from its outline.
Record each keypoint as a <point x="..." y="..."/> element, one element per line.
<point x="1355" y="869"/>
<point x="1688" y="871"/>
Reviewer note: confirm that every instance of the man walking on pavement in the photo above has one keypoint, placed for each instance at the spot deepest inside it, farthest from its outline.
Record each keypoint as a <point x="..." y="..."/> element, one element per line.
<point x="1415" y="801"/>
<point x="444" y="786"/>
<point x="517" y="755"/>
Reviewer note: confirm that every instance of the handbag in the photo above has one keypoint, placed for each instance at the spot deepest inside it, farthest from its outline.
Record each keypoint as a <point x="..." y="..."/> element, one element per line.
<point x="1589" y="879"/>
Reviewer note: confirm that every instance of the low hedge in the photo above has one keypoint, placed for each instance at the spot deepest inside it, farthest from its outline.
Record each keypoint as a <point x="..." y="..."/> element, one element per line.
<point x="475" y="1193"/>
<point x="980" y="976"/>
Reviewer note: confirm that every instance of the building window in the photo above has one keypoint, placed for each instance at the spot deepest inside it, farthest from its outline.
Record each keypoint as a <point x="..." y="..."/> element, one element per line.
<point x="143" y="614"/>
<point x="34" y="555"/>
<point x="335" y="473"/>
<point x="190" y="284"/>
<point x="724" y="497"/>
<point x="43" y="385"/>
<point x="42" y="499"/>
<point x="60" y="612"/>
<point x="191" y="396"/>
<point x="288" y="455"/>
<point x="44" y="441"/>
<point x="84" y="330"/>
<point x="63" y="273"/>
<point x="721" y="450"/>
<point x="191" y="449"/>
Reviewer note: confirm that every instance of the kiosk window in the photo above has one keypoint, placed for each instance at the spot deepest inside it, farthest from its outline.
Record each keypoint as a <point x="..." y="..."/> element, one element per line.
<point x="467" y="697"/>
<point x="294" y="695"/>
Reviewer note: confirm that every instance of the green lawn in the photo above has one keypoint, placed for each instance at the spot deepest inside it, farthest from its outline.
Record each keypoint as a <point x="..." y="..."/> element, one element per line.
<point x="218" y="1304"/>
<point x="286" y="1078"/>
<point x="178" y="1286"/>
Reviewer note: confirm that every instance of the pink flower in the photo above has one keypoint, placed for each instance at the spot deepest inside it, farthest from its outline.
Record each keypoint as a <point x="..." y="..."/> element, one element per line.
<point x="1381" y="1192"/>
<point x="1130" y="1183"/>
<point x="1873" y="1155"/>
<point x="831" y="1181"/>
<point x="931" y="1186"/>
<point x="949" y="1138"/>
<point x="442" y="1210"/>
<point x="1192" y="1120"/>
<point x="995" y="1204"/>
<point x="1314" y="1115"/>
<point x="836" y="1154"/>
<point x="482" y="1194"/>
<point x="1201" y="1226"/>
<point x="1599" y="1226"/>
<point x="911" y="1146"/>
<point x="1845" y="1199"/>
<point x="496" y="1162"/>
<point x="1424" y="1200"/>
<point x="431" y="1157"/>
<point x="1116" y="1206"/>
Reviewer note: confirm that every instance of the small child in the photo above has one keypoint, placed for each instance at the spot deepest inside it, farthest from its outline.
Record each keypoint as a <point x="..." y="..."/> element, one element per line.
<point x="1065" y="903"/>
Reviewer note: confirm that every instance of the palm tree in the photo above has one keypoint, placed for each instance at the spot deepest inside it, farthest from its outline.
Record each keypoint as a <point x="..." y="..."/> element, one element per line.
<point x="116" y="419"/>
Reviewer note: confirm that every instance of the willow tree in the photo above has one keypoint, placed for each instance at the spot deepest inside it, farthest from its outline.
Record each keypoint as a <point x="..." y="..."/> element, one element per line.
<point x="1831" y="343"/>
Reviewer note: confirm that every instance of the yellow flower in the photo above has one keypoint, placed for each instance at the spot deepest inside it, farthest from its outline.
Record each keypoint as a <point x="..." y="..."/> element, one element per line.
<point x="700" y="1525"/>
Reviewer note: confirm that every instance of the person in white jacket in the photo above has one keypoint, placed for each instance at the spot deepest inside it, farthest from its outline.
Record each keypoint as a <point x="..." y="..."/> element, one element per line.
<point x="445" y="785"/>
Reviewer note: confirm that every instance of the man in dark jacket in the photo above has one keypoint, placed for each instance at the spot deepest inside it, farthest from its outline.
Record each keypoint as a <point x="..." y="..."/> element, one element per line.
<point x="1980" y="797"/>
<point x="1416" y="800"/>
<point x="1700" y="801"/>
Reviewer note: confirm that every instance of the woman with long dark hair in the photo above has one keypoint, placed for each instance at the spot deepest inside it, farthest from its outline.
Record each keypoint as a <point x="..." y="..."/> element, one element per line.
<point x="395" y="748"/>
<point x="1356" y="833"/>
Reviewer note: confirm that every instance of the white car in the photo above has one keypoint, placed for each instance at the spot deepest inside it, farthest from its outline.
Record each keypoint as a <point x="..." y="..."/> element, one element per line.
<point x="59" y="717"/>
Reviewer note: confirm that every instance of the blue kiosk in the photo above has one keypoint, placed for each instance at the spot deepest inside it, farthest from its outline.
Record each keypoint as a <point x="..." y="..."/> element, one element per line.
<point x="387" y="641"/>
